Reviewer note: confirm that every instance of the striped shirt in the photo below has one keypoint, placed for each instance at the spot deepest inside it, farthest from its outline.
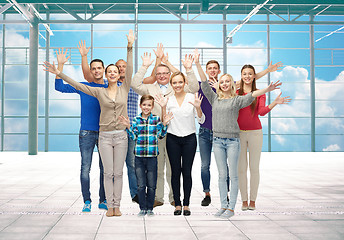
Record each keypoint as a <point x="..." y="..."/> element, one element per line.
<point x="146" y="133"/>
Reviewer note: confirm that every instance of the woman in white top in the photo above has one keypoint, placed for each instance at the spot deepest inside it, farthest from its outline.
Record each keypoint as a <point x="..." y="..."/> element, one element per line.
<point x="181" y="140"/>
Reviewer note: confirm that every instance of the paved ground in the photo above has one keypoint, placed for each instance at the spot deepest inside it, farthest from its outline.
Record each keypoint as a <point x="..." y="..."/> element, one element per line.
<point x="301" y="196"/>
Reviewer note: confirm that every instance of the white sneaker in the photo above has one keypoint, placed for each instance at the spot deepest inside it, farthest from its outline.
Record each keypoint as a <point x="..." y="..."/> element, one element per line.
<point x="227" y="214"/>
<point x="220" y="212"/>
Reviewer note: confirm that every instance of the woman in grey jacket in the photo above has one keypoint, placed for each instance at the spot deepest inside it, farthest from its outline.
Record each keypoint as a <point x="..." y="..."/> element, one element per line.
<point x="226" y="105"/>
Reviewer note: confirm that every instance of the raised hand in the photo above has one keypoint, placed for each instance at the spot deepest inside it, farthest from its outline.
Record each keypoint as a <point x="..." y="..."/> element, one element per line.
<point x="275" y="67"/>
<point x="146" y="59"/>
<point x="131" y="38"/>
<point x="159" y="53"/>
<point x="164" y="58"/>
<point x="282" y="100"/>
<point x="161" y="100"/>
<point x="196" y="56"/>
<point x="187" y="63"/>
<point x="50" y="68"/>
<point x="213" y="82"/>
<point x="198" y="100"/>
<point x="82" y="48"/>
<point x="61" y="56"/>
<point x="124" y="120"/>
<point x="167" y="118"/>
<point x="274" y="86"/>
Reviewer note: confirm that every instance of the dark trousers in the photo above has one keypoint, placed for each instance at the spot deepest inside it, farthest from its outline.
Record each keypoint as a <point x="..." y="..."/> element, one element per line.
<point x="181" y="152"/>
<point x="146" y="169"/>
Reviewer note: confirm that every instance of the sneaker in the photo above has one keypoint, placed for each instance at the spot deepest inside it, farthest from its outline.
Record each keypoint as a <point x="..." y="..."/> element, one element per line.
<point x="206" y="201"/>
<point x="135" y="199"/>
<point x="150" y="213"/>
<point x="103" y="205"/>
<point x="87" y="206"/>
<point x="220" y="212"/>
<point x="157" y="203"/>
<point x="142" y="213"/>
<point x="227" y="214"/>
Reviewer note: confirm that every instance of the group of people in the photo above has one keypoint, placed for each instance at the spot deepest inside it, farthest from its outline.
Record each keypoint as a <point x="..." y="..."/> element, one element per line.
<point x="163" y="135"/>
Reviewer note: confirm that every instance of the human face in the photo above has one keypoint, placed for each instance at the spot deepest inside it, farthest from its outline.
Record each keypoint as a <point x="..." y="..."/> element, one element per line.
<point x="146" y="107"/>
<point x="178" y="84"/>
<point x="122" y="65"/>
<point x="213" y="70"/>
<point x="247" y="75"/>
<point x="162" y="75"/>
<point x="97" y="70"/>
<point x="225" y="84"/>
<point x="112" y="74"/>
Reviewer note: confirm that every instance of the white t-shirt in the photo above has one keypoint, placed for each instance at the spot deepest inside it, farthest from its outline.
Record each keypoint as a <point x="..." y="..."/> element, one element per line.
<point x="183" y="122"/>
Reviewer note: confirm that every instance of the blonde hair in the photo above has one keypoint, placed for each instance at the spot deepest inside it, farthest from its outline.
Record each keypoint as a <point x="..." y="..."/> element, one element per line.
<point x="232" y="92"/>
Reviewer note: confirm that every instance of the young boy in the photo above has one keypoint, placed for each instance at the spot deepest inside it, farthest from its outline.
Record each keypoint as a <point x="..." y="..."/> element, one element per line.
<point x="146" y="129"/>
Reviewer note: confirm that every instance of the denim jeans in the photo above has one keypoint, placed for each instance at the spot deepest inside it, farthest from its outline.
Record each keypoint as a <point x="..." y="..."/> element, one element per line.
<point x="146" y="169"/>
<point x="130" y="162"/>
<point x="87" y="141"/>
<point x="181" y="152"/>
<point x="227" y="150"/>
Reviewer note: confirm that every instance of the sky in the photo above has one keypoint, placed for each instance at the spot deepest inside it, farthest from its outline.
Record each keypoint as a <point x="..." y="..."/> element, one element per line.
<point x="290" y="123"/>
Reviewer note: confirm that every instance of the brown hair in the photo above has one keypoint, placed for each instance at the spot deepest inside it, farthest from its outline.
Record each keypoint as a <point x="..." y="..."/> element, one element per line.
<point x="177" y="74"/>
<point x="146" y="97"/>
<point x="107" y="67"/>
<point x="212" y="61"/>
<point x="253" y="87"/>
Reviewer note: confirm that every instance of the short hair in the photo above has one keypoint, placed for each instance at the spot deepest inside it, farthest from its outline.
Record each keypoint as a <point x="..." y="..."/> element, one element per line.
<point x="163" y="65"/>
<point x="146" y="97"/>
<point x="119" y="61"/>
<point x="110" y="66"/>
<point x="177" y="74"/>
<point x="97" y="60"/>
<point x="212" y="61"/>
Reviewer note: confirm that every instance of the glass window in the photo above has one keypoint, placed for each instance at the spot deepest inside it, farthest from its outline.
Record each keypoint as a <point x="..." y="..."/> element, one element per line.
<point x="64" y="125"/>
<point x="15" y="142"/>
<point x="329" y="108"/>
<point x="329" y="143"/>
<point x="329" y="125"/>
<point x="290" y="143"/>
<point x="16" y="125"/>
<point x="64" y="143"/>
<point x="290" y="125"/>
<point x="16" y="107"/>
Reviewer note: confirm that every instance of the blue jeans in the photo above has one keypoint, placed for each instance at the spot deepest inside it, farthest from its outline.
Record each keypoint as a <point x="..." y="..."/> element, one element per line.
<point x="87" y="141"/>
<point x="205" y="141"/>
<point x="146" y="169"/>
<point x="227" y="150"/>
<point x="130" y="161"/>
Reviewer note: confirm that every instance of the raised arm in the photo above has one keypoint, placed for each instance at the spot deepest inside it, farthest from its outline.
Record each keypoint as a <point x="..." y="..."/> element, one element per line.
<point x="129" y="69"/>
<point x="84" y="63"/>
<point x="271" y="68"/>
<point x="61" y="60"/>
<point x="159" y="53"/>
<point x="137" y="84"/>
<point x="192" y="85"/>
<point x="199" y="67"/>
<point x="270" y="88"/>
<point x="79" y="86"/>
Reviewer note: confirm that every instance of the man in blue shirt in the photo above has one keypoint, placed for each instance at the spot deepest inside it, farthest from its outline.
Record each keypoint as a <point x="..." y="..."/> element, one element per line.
<point x="89" y="130"/>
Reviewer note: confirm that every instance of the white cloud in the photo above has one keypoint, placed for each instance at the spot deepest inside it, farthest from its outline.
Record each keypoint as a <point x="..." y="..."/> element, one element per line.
<point x="332" y="148"/>
<point x="204" y="45"/>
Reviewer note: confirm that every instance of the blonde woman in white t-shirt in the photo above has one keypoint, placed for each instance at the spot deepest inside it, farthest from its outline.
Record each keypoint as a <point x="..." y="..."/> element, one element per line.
<point x="181" y="140"/>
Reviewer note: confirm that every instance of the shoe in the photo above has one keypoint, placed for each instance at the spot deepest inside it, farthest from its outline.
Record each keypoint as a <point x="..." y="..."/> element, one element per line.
<point x="102" y="205"/>
<point x="150" y="213"/>
<point x="206" y="201"/>
<point x="220" y="212"/>
<point x="157" y="204"/>
<point x="110" y="212"/>
<point x="227" y="214"/>
<point x="244" y="208"/>
<point x="142" y="213"/>
<point x="186" y="212"/>
<point x="173" y="203"/>
<point x="87" y="206"/>
<point x="135" y="199"/>
<point x="177" y="212"/>
<point x="251" y="208"/>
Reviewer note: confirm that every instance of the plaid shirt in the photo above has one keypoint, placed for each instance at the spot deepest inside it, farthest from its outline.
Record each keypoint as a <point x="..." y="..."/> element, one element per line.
<point x="146" y="133"/>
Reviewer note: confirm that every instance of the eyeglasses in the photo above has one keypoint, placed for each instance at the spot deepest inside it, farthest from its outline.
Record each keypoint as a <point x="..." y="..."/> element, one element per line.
<point x="162" y="73"/>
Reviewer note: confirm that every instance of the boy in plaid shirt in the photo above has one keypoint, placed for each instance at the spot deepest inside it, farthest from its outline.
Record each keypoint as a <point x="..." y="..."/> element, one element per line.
<point x="145" y="130"/>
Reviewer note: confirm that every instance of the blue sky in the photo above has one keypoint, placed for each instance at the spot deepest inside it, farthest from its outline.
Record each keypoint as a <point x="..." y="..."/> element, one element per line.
<point x="249" y="46"/>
